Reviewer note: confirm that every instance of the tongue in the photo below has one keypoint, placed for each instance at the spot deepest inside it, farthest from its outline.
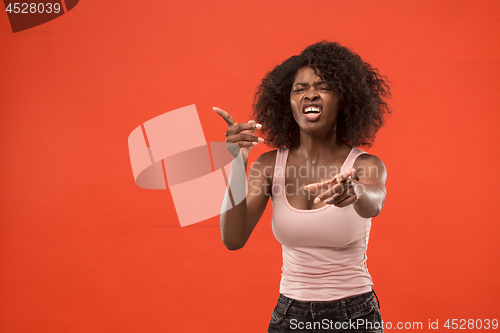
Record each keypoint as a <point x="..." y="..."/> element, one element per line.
<point x="312" y="116"/>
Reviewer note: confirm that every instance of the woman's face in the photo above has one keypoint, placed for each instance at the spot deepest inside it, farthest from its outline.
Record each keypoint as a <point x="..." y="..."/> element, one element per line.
<point x="314" y="104"/>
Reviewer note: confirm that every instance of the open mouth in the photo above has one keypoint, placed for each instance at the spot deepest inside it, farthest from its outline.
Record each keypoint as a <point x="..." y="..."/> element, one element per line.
<point x="312" y="112"/>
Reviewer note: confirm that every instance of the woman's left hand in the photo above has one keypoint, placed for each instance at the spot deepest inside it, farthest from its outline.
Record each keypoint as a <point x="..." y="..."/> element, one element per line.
<point x="340" y="190"/>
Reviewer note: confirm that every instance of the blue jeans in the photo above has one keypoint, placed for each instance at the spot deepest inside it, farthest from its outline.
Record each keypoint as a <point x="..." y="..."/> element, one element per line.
<point x="358" y="313"/>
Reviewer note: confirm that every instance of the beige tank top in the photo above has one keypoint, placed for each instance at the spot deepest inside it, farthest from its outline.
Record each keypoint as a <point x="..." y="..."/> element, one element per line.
<point x="324" y="250"/>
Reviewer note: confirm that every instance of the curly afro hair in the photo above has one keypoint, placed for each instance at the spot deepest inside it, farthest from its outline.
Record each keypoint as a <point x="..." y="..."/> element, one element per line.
<point x="361" y="88"/>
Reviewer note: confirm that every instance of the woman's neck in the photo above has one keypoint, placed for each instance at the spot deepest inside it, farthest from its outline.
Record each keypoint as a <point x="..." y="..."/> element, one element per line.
<point x="315" y="147"/>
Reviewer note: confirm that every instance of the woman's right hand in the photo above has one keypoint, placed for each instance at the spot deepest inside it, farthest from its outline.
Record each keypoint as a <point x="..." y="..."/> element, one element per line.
<point x="240" y="134"/>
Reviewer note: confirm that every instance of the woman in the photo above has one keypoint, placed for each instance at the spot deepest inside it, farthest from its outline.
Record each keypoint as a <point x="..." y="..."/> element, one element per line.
<point x="316" y="108"/>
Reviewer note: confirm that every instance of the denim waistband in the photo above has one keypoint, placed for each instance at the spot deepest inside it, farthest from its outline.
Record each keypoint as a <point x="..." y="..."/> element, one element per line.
<point x="339" y="308"/>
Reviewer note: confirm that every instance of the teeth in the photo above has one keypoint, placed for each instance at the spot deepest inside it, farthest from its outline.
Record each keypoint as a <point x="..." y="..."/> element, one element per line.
<point x="311" y="109"/>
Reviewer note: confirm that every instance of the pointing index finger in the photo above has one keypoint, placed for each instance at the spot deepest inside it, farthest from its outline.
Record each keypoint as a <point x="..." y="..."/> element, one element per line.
<point x="344" y="175"/>
<point x="226" y="116"/>
<point x="316" y="186"/>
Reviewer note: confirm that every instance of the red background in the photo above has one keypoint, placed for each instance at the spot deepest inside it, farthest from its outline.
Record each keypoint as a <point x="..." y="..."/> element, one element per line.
<point x="83" y="249"/>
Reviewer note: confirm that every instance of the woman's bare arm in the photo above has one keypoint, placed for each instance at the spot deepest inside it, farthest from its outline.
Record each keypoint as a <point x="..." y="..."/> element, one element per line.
<point x="370" y="186"/>
<point x="362" y="186"/>
<point x="238" y="223"/>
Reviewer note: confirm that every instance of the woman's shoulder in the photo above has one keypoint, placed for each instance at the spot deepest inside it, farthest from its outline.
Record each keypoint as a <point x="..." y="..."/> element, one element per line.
<point x="367" y="158"/>
<point x="367" y="163"/>
<point x="266" y="162"/>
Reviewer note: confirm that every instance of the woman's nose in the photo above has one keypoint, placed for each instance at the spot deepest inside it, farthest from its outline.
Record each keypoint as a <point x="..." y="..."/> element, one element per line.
<point x="311" y="94"/>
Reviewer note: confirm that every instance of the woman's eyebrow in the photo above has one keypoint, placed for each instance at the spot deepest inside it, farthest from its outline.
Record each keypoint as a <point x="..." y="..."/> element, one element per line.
<point x="307" y="83"/>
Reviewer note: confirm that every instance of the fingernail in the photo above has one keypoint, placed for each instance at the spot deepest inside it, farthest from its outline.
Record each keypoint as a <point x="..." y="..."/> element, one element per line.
<point x="258" y="126"/>
<point x="255" y="143"/>
<point x="317" y="200"/>
<point x="260" y="140"/>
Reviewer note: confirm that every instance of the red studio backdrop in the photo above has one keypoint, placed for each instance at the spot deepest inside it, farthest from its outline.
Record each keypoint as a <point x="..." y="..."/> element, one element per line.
<point x="84" y="249"/>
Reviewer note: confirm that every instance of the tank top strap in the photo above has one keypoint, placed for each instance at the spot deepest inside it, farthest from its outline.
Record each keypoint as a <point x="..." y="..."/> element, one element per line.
<point x="279" y="169"/>
<point x="351" y="158"/>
